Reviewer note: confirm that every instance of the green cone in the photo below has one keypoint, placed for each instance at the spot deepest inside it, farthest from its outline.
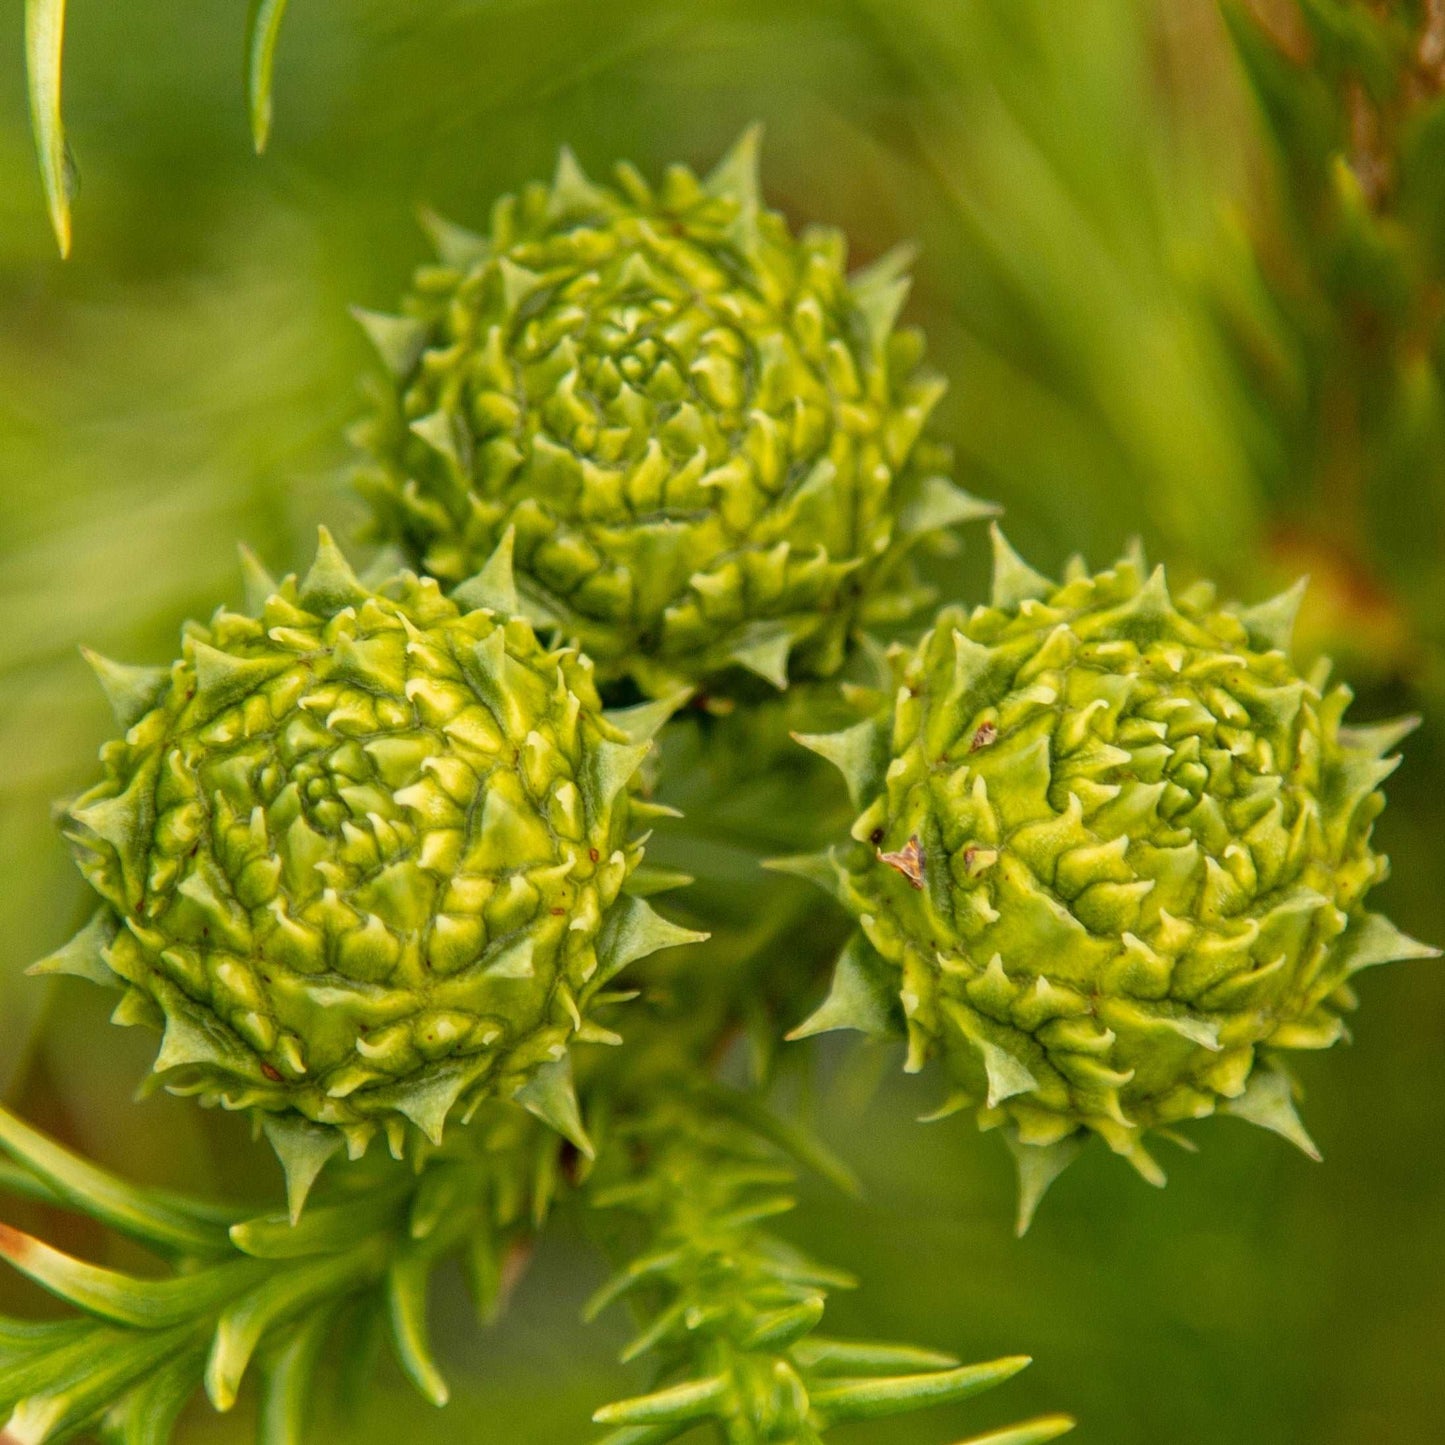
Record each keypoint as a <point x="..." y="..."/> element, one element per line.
<point x="1111" y="857"/>
<point x="702" y="433"/>
<point x="362" y="856"/>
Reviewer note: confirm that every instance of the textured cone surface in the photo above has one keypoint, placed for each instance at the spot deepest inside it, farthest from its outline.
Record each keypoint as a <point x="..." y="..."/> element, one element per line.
<point x="704" y="434"/>
<point x="360" y="855"/>
<point x="1112" y="845"/>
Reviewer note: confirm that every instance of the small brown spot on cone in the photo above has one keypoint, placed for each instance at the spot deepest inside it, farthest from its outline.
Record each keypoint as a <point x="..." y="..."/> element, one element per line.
<point x="908" y="861"/>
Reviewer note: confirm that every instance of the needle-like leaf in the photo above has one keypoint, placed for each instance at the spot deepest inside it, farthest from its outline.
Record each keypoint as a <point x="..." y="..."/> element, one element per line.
<point x="44" y="44"/>
<point x="155" y="1218"/>
<point x="263" y="30"/>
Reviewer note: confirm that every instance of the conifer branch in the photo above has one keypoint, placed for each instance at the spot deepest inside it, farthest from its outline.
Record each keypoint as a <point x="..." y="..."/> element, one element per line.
<point x="727" y="1311"/>
<point x="44" y="46"/>
<point x="1333" y="310"/>
<point x="257" y="1289"/>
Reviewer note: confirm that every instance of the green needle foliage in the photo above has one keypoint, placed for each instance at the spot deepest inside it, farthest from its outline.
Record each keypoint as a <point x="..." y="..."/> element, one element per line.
<point x="44" y="57"/>
<point x="1347" y="354"/>
<point x="728" y="1311"/>
<point x="270" y="1290"/>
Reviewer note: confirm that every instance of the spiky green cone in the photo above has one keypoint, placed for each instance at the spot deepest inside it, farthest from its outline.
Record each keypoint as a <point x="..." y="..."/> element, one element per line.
<point x="703" y="434"/>
<point x="363" y="855"/>
<point x="1111" y="856"/>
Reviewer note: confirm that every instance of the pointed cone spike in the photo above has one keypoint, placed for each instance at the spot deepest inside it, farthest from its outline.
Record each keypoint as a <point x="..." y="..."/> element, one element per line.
<point x="1038" y="1166"/>
<point x="1356" y="776"/>
<point x="971" y="660"/>
<point x="429" y="1102"/>
<point x="738" y="173"/>
<point x="573" y="192"/>
<point x="121" y="821"/>
<point x="490" y="656"/>
<point x="395" y="1137"/>
<point x="1134" y="555"/>
<point x="84" y="956"/>
<point x="631" y="930"/>
<point x="891" y="266"/>
<point x="608" y="770"/>
<point x="518" y="283"/>
<point x="1373" y="940"/>
<point x="260" y="585"/>
<point x="647" y="880"/>
<point x="1198" y="1031"/>
<point x="1007" y="1076"/>
<point x="383" y="567"/>
<point x="863" y="996"/>
<point x="454" y="245"/>
<point x="648" y="809"/>
<point x="1153" y="597"/>
<point x="860" y="753"/>
<point x="398" y="340"/>
<point x="880" y="290"/>
<point x="764" y="652"/>
<point x="185" y="1043"/>
<point x="137" y="1008"/>
<point x="816" y="868"/>
<point x="940" y="505"/>
<point x="1377" y="739"/>
<point x="439" y="432"/>
<point x="643" y="722"/>
<point x="303" y="1149"/>
<point x="1014" y="581"/>
<point x="223" y="679"/>
<point x="330" y="585"/>
<point x="551" y="1095"/>
<point x="131" y="691"/>
<point x="494" y="587"/>
<point x="1268" y="1101"/>
<point x="1270" y="624"/>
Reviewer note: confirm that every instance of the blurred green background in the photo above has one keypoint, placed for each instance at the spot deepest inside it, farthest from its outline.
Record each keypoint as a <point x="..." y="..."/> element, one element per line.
<point x="1093" y="185"/>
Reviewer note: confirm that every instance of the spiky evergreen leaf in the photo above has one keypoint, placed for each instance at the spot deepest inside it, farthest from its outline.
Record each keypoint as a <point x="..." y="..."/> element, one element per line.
<point x="44" y="45"/>
<point x="728" y="1312"/>
<point x="143" y="1346"/>
<point x="263" y="31"/>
